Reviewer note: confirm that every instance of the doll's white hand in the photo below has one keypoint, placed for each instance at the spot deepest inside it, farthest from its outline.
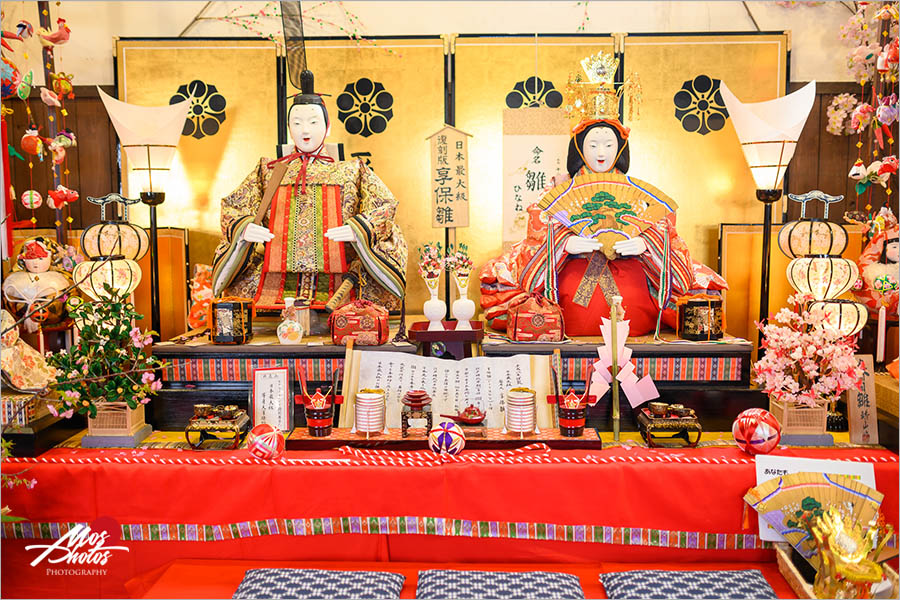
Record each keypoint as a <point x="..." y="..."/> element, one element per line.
<point x="257" y="233"/>
<point x="581" y="245"/>
<point x="340" y="234"/>
<point x="632" y="247"/>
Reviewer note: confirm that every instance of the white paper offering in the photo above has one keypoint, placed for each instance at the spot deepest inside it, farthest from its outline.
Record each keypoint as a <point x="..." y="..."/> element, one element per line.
<point x="452" y="385"/>
<point x="769" y="467"/>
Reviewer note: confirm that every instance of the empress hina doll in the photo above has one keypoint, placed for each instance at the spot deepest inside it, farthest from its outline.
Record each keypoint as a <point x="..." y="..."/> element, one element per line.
<point x="657" y="258"/>
<point x="326" y="219"/>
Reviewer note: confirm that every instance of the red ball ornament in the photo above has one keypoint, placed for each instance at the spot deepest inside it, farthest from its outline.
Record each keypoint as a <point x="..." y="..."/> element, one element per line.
<point x="265" y="441"/>
<point x="756" y="431"/>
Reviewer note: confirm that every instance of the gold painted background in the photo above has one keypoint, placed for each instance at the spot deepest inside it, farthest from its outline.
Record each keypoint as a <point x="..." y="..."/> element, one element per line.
<point x="204" y="170"/>
<point x="413" y="73"/>
<point x="705" y="174"/>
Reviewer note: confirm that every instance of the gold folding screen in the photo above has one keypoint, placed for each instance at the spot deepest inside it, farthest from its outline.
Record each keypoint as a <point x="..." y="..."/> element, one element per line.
<point x="211" y="162"/>
<point x="698" y="165"/>
<point x="705" y="172"/>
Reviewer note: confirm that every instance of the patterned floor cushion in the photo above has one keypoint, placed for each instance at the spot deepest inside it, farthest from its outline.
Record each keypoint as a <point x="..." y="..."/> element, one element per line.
<point x="317" y="583"/>
<point x="497" y="584"/>
<point x="690" y="585"/>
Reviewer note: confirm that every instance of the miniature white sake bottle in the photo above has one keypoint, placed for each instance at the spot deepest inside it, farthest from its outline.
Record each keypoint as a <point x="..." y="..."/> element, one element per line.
<point x="290" y="331"/>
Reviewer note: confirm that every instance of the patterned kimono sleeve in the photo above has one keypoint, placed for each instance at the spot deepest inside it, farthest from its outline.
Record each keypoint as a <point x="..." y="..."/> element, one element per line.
<point x="533" y="275"/>
<point x="654" y="259"/>
<point x="379" y="242"/>
<point x="238" y="210"/>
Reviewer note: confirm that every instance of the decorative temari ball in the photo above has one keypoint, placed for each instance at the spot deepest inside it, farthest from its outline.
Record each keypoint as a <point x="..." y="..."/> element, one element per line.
<point x="31" y="199"/>
<point x="447" y="437"/>
<point x="265" y="441"/>
<point x="756" y="431"/>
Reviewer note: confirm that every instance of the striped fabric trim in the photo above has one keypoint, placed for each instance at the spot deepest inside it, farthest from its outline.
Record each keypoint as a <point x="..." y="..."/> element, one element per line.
<point x="241" y="369"/>
<point x="400" y="525"/>
<point x="534" y="275"/>
<point x="382" y="268"/>
<point x="667" y="369"/>
<point x="682" y="276"/>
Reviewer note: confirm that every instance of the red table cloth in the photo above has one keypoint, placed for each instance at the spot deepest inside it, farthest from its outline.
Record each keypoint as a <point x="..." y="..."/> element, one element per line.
<point x="620" y="504"/>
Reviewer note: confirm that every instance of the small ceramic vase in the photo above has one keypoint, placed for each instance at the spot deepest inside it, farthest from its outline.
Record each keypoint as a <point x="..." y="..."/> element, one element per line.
<point x="434" y="308"/>
<point x="462" y="309"/>
<point x="289" y="330"/>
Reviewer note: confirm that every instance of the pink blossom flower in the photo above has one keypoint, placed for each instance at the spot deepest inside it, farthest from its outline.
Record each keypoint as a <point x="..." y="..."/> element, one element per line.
<point x="68" y="414"/>
<point x="145" y="400"/>
<point x="156" y="385"/>
<point x="52" y="410"/>
<point x="72" y="394"/>
<point x="147" y="377"/>
<point x="30" y="485"/>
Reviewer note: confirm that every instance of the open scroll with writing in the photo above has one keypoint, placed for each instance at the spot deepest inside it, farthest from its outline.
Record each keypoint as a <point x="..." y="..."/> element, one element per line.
<point x="452" y="385"/>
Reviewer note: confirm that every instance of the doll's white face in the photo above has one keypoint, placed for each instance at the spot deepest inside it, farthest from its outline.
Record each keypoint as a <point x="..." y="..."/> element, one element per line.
<point x="307" y="125"/>
<point x="600" y="149"/>
<point x="892" y="251"/>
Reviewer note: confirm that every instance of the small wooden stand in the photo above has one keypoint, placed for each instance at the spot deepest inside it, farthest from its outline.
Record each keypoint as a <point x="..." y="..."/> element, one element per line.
<point x="678" y="428"/>
<point x="408" y="413"/>
<point x="209" y="429"/>
<point x="448" y="343"/>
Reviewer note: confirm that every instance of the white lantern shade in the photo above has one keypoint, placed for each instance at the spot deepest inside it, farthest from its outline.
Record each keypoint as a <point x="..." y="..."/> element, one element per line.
<point x="149" y="135"/>
<point x="822" y="277"/>
<point x="845" y="316"/>
<point x="121" y="274"/>
<point x="811" y="236"/>
<point x="769" y="131"/>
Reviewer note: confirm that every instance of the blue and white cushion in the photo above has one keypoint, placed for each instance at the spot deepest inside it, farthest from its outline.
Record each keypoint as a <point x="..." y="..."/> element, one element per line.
<point x="689" y="585"/>
<point x="318" y="583"/>
<point x="497" y="584"/>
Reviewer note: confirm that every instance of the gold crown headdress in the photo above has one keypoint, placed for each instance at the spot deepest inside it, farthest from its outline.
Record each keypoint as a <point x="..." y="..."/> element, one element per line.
<point x="595" y="94"/>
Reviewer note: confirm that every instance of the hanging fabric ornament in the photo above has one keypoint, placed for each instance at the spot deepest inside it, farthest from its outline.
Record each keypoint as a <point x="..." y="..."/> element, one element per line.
<point x="858" y="171"/>
<point x="32" y="143"/>
<point x="58" y="152"/>
<point x="31" y="199"/>
<point x="49" y="98"/>
<point x="62" y="85"/>
<point x="55" y="38"/>
<point x="23" y="90"/>
<point x="66" y="139"/>
<point x="24" y="30"/>
<point x="10" y="78"/>
<point x="61" y="196"/>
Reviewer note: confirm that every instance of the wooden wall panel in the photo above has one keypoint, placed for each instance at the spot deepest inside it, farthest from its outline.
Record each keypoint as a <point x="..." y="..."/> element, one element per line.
<point x="823" y="160"/>
<point x="92" y="165"/>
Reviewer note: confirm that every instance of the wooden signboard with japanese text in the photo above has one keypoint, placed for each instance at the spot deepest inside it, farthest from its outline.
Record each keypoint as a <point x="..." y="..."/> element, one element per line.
<point x="861" y="411"/>
<point x="449" y="178"/>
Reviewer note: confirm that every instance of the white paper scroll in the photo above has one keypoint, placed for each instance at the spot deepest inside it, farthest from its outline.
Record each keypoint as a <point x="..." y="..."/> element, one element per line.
<point x="452" y="385"/>
<point x="271" y="400"/>
<point x="535" y="146"/>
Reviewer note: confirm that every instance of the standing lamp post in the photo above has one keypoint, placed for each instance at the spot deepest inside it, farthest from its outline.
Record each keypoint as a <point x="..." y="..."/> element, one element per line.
<point x="149" y="136"/>
<point x="768" y="132"/>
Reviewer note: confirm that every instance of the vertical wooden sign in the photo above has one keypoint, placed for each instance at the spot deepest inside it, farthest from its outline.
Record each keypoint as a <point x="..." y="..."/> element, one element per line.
<point x="862" y="413"/>
<point x="449" y="178"/>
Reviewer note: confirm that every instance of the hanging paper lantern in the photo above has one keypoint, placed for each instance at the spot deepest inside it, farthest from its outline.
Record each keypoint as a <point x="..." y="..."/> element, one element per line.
<point x="119" y="273"/>
<point x="447" y="437"/>
<point x="823" y="277"/>
<point x="756" y="431"/>
<point x="114" y="236"/>
<point x="31" y="199"/>
<point x="846" y="316"/>
<point x="811" y="236"/>
<point x="265" y="441"/>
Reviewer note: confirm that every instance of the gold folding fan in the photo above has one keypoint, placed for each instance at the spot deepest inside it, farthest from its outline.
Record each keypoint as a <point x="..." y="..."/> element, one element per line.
<point x="784" y="503"/>
<point x="607" y="207"/>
